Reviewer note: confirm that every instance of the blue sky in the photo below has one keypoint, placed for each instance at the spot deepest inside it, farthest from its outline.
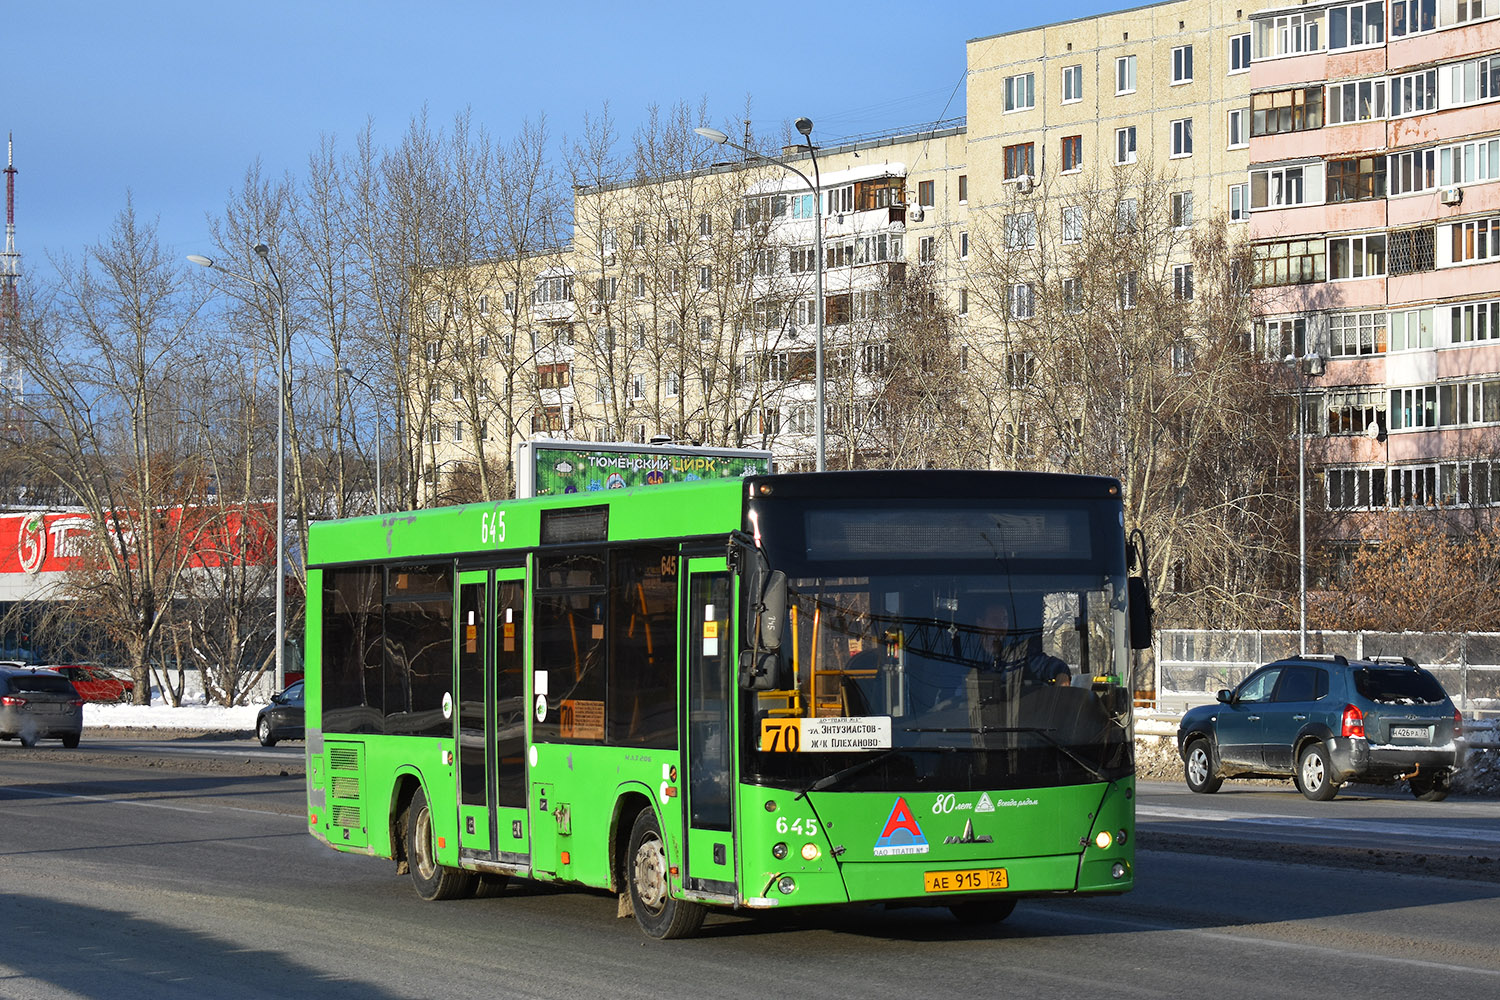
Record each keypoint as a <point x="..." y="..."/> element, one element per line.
<point x="172" y="101"/>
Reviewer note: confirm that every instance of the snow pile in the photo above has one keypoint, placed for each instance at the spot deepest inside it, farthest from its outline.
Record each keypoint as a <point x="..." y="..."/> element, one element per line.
<point x="193" y="714"/>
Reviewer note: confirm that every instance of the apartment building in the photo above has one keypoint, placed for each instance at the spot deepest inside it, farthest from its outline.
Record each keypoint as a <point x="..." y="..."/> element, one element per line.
<point x="1375" y="207"/>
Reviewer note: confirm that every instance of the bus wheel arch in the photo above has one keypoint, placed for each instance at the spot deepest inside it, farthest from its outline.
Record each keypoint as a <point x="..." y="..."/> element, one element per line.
<point x="402" y="793"/>
<point x="659" y="915"/>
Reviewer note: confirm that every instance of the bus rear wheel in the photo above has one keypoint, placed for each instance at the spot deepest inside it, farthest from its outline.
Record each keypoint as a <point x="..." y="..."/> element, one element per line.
<point x="658" y="914"/>
<point x="432" y="880"/>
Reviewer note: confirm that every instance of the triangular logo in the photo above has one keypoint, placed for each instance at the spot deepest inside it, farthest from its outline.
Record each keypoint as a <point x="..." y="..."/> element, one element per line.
<point x="902" y="834"/>
<point x="985" y="803"/>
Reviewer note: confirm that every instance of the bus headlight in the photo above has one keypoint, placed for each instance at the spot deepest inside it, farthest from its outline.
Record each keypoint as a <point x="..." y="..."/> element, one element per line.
<point x="810" y="852"/>
<point x="1103" y="840"/>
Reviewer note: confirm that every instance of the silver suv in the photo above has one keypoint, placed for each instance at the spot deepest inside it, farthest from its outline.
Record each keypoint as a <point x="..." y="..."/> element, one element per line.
<point x="39" y="704"/>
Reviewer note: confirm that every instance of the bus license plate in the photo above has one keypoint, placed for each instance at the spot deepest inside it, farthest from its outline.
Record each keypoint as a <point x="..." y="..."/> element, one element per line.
<point x="965" y="880"/>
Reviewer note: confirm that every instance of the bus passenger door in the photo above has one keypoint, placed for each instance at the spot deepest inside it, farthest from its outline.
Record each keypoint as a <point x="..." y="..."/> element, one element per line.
<point x="508" y="682"/>
<point x="708" y="815"/>
<point x="491" y="719"/>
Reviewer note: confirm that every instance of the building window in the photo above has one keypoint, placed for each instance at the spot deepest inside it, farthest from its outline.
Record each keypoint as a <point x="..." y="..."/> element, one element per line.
<point x="1072" y="84"/>
<point x="1352" y="411"/>
<point x="1410" y="329"/>
<point x="1020" y="231"/>
<point x="1462" y="11"/>
<point x="1474" y="322"/>
<point x="1279" y="187"/>
<point x="1286" y="110"/>
<point x="963" y="246"/>
<point x="1125" y="75"/>
<point x="1473" y="81"/>
<point x="1409" y="17"/>
<point x="1356" y="256"/>
<point x="1125" y="144"/>
<point x="1357" y="101"/>
<point x="1356" y="489"/>
<point x="1290" y="262"/>
<point x="963" y="188"/>
<point x="1182" y="138"/>
<point x="1357" y="24"/>
<point x="927" y="249"/>
<point x="1020" y="160"/>
<point x="1182" y="282"/>
<point x="1413" y="408"/>
<point x="705" y="278"/>
<point x="1239" y="203"/>
<point x="1127" y="290"/>
<point x="963" y="301"/>
<point x="1182" y="209"/>
<point x="1288" y="35"/>
<point x="1414" y="93"/>
<point x="1072" y="296"/>
<point x="1239" y="53"/>
<point x="1469" y="162"/>
<point x="705" y="224"/>
<point x="1022" y="302"/>
<point x="1072" y="153"/>
<point x="926" y="193"/>
<point x="1182" y="64"/>
<point x="705" y="327"/>
<point x="1415" y="170"/>
<point x="1020" y="92"/>
<point x="1126" y="213"/>
<point x="1356" y="334"/>
<point x="1072" y="224"/>
<point x="1239" y="132"/>
<point x="1283" y="338"/>
<point x="1355" y="179"/>
<point x="1477" y="240"/>
<point x="1411" y="250"/>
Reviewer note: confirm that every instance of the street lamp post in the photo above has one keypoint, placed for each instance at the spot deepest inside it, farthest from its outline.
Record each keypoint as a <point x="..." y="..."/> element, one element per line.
<point x="805" y="126"/>
<point x="348" y="373"/>
<point x="277" y="292"/>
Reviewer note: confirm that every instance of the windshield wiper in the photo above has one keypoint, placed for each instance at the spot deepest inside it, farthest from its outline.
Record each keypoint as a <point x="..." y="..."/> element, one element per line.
<point x="1045" y="734"/>
<point x="829" y="780"/>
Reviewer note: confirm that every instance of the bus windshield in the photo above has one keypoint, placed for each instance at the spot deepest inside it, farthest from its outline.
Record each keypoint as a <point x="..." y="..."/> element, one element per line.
<point x="951" y="644"/>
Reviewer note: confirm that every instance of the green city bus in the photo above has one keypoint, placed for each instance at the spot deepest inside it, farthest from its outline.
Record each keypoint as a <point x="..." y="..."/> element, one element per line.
<point x="782" y="690"/>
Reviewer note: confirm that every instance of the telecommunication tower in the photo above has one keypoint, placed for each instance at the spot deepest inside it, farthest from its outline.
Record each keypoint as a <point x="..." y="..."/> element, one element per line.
<point x="10" y="303"/>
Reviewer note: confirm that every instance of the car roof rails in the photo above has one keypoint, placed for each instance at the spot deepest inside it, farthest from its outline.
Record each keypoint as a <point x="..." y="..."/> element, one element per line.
<point x="1338" y="658"/>
<point x="1403" y="660"/>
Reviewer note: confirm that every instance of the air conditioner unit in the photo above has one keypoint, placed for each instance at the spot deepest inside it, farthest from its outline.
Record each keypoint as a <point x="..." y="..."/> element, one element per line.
<point x="1025" y="184"/>
<point x="1451" y="195"/>
<point x="916" y="213"/>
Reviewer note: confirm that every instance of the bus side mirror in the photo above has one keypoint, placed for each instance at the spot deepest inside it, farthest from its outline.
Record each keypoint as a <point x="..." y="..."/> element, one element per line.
<point x="760" y="671"/>
<point x="1140" y="614"/>
<point x="773" y="611"/>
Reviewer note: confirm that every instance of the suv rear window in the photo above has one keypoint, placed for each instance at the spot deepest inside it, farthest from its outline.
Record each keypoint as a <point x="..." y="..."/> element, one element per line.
<point x="41" y="682"/>
<point x="1398" y="686"/>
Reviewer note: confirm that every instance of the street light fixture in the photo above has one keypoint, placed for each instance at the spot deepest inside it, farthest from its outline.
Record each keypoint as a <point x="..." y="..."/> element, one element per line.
<point x="805" y="126"/>
<point x="277" y="292"/>
<point x="348" y="373"/>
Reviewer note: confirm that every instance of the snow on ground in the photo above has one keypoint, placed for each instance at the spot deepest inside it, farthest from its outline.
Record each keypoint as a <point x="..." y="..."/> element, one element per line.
<point x="192" y="714"/>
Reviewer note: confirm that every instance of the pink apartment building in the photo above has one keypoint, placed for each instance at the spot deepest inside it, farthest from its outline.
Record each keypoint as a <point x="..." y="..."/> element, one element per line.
<point x="1374" y="200"/>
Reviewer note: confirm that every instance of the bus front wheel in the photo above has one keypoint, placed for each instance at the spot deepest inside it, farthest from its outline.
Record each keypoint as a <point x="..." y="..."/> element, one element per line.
<point x="433" y="881"/>
<point x="659" y="915"/>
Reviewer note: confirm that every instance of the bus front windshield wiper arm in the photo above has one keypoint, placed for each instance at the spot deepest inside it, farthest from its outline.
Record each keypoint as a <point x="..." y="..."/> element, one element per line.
<point x="829" y="780"/>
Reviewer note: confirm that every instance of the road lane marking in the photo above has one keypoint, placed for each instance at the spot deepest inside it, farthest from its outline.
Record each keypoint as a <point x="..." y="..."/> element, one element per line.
<point x="1344" y="826"/>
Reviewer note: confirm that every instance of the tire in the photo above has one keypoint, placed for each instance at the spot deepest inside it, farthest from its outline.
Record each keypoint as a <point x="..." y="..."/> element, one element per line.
<point x="70" y="740"/>
<point x="658" y="914"/>
<point x="1198" y="768"/>
<point x="1433" y="789"/>
<point x="432" y="880"/>
<point x="263" y="732"/>
<point x="987" y="911"/>
<point x="1314" y="774"/>
<point x="488" y="886"/>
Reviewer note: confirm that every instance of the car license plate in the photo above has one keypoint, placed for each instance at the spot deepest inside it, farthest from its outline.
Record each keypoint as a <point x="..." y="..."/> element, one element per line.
<point x="1410" y="733"/>
<point x="965" y="880"/>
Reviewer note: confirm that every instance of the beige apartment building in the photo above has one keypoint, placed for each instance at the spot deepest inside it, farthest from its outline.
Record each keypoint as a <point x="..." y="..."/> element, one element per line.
<point x="683" y="305"/>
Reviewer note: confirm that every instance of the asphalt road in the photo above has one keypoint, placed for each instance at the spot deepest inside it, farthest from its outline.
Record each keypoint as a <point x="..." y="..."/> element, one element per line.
<point x="140" y="877"/>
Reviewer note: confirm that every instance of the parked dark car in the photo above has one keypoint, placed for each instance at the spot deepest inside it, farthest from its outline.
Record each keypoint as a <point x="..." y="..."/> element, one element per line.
<point x="1324" y="721"/>
<point x="39" y="704"/>
<point x="282" y="719"/>
<point x="95" y="683"/>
